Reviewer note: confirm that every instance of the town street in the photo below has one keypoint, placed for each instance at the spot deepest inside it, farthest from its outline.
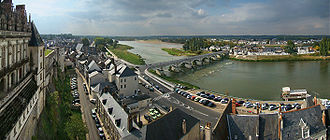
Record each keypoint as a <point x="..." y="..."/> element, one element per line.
<point x="86" y="107"/>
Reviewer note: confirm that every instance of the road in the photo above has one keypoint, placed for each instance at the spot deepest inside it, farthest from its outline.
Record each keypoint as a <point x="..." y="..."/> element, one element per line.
<point x="86" y="107"/>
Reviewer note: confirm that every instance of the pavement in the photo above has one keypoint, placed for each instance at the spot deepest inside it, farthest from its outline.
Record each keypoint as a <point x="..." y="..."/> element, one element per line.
<point x="86" y="108"/>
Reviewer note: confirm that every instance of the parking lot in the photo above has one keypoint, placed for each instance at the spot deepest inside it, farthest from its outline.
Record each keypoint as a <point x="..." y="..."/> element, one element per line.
<point x="248" y="106"/>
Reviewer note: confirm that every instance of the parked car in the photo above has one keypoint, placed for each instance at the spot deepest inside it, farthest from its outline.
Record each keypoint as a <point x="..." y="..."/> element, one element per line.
<point x="217" y="99"/>
<point x="189" y="96"/>
<point x="148" y="118"/>
<point x="192" y="97"/>
<point x="223" y="101"/>
<point x="93" y="101"/>
<point x="151" y="89"/>
<point x="197" y="99"/>
<point x="210" y="104"/>
<point x="240" y="102"/>
<point x="271" y="108"/>
<point x="211" y="97"/>
<point x="94" y="113"/>
<point x="206" y="102"/>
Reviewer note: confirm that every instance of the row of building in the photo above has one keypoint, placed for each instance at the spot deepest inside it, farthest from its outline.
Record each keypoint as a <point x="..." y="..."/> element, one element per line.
<point x="120" y="109"/>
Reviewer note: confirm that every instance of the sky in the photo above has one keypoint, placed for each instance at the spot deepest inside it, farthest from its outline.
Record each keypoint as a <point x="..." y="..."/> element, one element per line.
<point x="180" y="17"/>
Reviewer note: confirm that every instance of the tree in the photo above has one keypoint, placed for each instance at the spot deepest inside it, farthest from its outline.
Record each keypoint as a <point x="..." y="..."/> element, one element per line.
<point x="85" y="41"/>
<point x="75" y="128"/>
<point x="115" y="43"/>
<point x="290" y="47"/>
<point x="324" y="46"/>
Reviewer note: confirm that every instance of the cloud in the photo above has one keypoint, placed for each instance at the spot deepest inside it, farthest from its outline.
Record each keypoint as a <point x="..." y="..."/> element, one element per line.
<point x="183" y="17"/>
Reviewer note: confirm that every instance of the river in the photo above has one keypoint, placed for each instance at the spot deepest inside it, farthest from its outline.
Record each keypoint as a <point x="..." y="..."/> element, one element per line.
<point x="151" y="51"/>
<point x="254" y="80"/>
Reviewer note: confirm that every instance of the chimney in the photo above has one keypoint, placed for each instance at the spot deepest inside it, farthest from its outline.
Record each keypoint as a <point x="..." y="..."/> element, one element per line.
<point x="258" y="109"/>
<point x="184" y="127"/>
<point x="171" y="108"/>
<point x="324" y="118"/>
<point x="233" y="105"/>
<point x="280" y="126"/>
<point x="315" y="100"/>
<point x="30" y="18"/>
<point x="208" y="131"/>
<point x="129" y="123"/>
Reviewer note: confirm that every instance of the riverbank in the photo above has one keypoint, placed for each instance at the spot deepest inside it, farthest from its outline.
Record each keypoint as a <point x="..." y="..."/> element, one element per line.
<point x="155" y="41"/>
<point x="277" y="58"/>
<point x="180" y="52"/>
<point x="121" y="51"/>
<point x="173" y="80"/>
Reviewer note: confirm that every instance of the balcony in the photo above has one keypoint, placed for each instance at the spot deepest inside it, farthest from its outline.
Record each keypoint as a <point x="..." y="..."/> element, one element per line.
<point x="13" y="91"/>
<point x="9" y="69"/>
<point x="14" y="33"/>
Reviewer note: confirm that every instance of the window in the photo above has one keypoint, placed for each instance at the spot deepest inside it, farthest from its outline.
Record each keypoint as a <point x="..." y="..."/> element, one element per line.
<point x="40" y="76"/>
<point x="121" y="80"/>
<point x="124" y="86"/>
<point x="135" y="78"/>
<point x="41" y="53"/>
<point x="124" y="80"/>
<point x="121" y="86"/>
<point x="15" y="131"/>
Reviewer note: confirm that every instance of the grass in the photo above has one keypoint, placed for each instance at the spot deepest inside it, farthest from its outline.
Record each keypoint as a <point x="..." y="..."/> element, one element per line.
<point x="121" y="51"/>
<point x="173" y="80"/>
<point x="274" y="58"/>
<point x="54" y="119"/>
<point x="180" y="52"/>
<point x="48" y="51"/>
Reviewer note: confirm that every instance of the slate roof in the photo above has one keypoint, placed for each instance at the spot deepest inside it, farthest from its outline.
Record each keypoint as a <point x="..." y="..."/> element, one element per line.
<point x="263" y="126"/>
<point x="312" y="116"/>
<point x="268" y="126"/>
<point x="36" y="40"/>
<point x="243" y="126"/>
<point x="100" y="86"/>
<point x="79" y="46"/>
<point x="135" y="99"/>
<point x="126" y="72"/>
<point x="169" y="127"/>
<point x="93" y="66"/>
<point x="117" y="113"/>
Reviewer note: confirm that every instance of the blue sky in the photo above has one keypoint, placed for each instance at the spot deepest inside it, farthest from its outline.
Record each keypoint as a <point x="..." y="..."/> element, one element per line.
<point x="179" y="17"/>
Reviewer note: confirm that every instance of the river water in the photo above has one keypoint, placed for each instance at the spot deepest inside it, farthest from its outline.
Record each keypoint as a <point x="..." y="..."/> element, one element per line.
<point x="152" y="52"/>
<point x="254" y="80"/>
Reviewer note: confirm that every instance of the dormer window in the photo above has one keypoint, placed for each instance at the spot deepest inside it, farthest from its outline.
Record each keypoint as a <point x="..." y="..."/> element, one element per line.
<point x="118" y="122"/>
<point x="304" y="129"/>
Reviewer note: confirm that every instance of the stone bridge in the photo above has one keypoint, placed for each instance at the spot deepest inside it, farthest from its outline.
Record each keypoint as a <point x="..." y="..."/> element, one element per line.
<point x="188" y="62"/>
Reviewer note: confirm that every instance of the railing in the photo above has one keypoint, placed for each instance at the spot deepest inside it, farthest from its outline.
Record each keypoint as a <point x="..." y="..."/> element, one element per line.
<point x="9" y="69"/>
<point x="14" y="33"/>
<point x="13" y="93"/>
